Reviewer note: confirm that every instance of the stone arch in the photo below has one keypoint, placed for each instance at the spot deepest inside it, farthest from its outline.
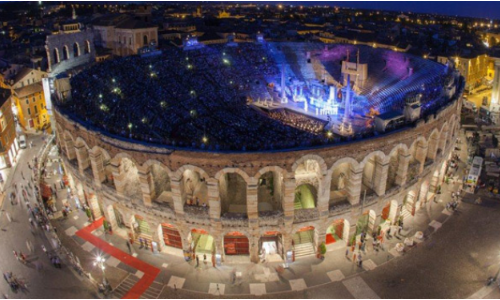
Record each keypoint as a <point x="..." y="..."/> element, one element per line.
<point x="69" y="145"/>
<point x="270" y="188"/>
<point x="82" y="153"/>
<point x="388" y="215"/>
<point x="433" y="144"/>
<point x="101" y="165"/>
<point x="366" y="222"/>
<point x="233" y="184"/>
<point x="65" y="53"/>
<point x="340" y="179"/>
<point x="418" y="151"/>
<point x="371" y="180"/>
<point x="193" y="185"/>
<point x="409" y="204"/>
<point x="158" y="181"/>
<point x="444" y="138"/>
<point x="126" y="176"/>
<point x="338" y="230"/>
<point x="397" y="161"/>
<point x="76" y="49"/>
<point x="321" y="162"/>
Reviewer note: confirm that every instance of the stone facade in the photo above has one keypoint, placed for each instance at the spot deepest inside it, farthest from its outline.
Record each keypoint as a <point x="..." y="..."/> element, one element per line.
<point x="69" y="50"/>
<point x="141" y="188"/>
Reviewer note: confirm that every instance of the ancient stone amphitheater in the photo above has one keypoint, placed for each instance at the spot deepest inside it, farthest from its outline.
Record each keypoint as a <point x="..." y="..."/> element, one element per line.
<point x="239" y="204"/>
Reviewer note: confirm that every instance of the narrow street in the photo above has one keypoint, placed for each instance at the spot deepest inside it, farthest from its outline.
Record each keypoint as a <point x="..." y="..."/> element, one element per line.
<point x="42" y="278"/>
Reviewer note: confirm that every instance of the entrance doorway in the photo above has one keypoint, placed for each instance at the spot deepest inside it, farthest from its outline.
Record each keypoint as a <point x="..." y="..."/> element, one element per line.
<point x="171" y="236"/>
<point x="303" y="241"/>
<point x="271" y="246"/>
<point x="236" y="243"/>
<point x="202" y="242"/>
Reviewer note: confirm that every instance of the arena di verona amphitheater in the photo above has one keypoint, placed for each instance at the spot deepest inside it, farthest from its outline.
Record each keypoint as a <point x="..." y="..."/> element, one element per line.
<point x="239" y="149"/>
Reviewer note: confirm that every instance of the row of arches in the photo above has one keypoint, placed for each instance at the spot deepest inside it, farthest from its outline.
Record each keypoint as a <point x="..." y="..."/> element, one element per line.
<point x="235" y="193"/>
<point x="67" y="53"/>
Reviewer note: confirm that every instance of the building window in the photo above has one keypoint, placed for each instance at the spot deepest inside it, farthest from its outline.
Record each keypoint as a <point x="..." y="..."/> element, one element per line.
<point x="27" y="101"/>
<point x="36" y="109"/>
<point x="29" y="111"/>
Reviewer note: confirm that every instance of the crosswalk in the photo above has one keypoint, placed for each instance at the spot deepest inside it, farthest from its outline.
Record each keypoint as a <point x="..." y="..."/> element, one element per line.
<point x="153" y="291"/>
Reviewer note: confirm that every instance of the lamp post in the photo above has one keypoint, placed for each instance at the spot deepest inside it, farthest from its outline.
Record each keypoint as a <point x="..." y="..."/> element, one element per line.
<point x="100" y="262"/>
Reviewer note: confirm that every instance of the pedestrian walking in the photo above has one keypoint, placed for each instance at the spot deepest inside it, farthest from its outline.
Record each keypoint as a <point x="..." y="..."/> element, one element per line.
<point x="22" y="175"/>
<point x="28" y="245"/>
<point x="141" y="242"/>
<point x="354" y="257"/>
<point x="129" y="248"/>
<point x="205" y="259"/>
<point x="347" y="253"/>
<point x="8" y="216"/>
<point x="197" y="261"/>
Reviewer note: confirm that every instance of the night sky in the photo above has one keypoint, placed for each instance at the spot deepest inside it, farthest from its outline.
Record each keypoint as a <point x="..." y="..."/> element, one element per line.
<point x="481" y="9"/>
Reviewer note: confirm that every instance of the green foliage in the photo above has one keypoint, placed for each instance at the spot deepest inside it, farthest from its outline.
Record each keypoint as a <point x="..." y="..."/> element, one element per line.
<point x="322" y="248"/>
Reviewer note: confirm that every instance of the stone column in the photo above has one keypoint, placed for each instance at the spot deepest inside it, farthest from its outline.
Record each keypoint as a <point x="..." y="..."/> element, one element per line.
<point x="118" y="177"/>
<point x="109" y="214"/>
<point x="97" y="164"/>
<point x="70" y="148"/>
<point x="288" y="199"/>
<point x="354" y="186"/>
<point x="380" y="177"/>
<point x="324" y="197"/>
<point x="253" y="248"/>
<point x="420" y="155"/>
<point x="402" y="171"/>
<point x="147" y="186"/>
<point x="175" y="184"/>
<point x="253" y="216"/>
<point x="432" y="149"/>
<point x="213" y="199"/>
<point x="442" y="142"/>
<point x="82" y="158"/>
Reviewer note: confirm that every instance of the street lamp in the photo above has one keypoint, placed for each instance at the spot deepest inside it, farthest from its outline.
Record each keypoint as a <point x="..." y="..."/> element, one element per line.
<point x="100" y="262"/>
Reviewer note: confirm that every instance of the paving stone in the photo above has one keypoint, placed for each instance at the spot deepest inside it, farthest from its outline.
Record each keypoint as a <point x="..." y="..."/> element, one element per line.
<point x="257" y="289"/>
<point x="335" y="275"/>
<point x="212" y="289"/>
<point x="176" y="282"/>
<point x="297" y="284"/>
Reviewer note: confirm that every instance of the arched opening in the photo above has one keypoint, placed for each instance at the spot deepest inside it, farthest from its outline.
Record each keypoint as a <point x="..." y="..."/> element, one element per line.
<point x="389" y="213"/>
<point x="233" y="194"/>
<point x="130" y="179"/>
<point x="395" y="163"/>
<point x="145" y="40"/>
<point x="338" y="186"/>
<point x="201" y="242"/>
<point x="337" y="231"/>
<point x="270" y="192"/>
<point x="443" y="141"/>
<point x="69" y="147"/>
<point x="120" y="220"/>
<point x="194" y="189"/>
<point x="366" y="223"/>
<point x="434" y="185"/>
<point x="171" y="236"/>
<point x="368" y="180"/>
<point x="65" y="53"/>
<point x="433" y="146"/>
<point x="87" y="47"/>
<point x="409" y="207"/>
<point x="142" y="231"/>
<point x="76" y="50"/>
<point x="306" y="196"/>
<point x="416" y="160"/>
<point x="161" y="185"/>
<point x="55" y="56"/>
<point x="303" y="242"/>
<point x="307" y="183"/>
<point x="236" y="243"/>
<point x="424" y="192"/>
<point x="271" y="246"/>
